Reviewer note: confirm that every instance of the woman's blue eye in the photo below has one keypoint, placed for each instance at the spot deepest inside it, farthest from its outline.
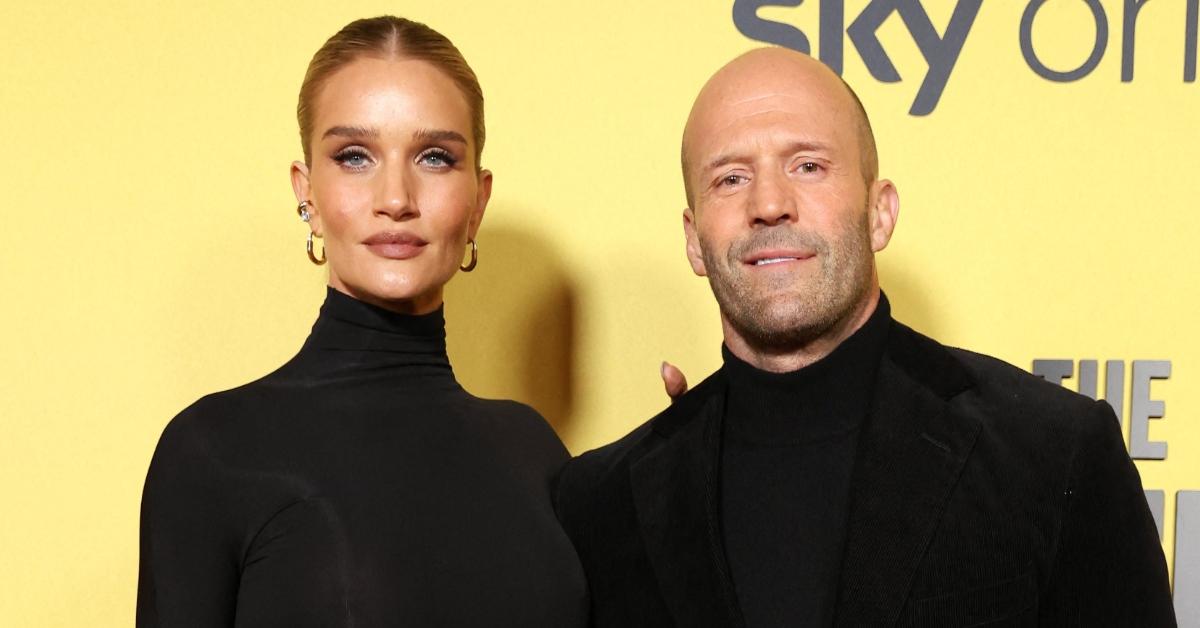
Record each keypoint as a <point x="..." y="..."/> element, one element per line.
<point x="438" y="159"/>
<point x="352" y="158"/>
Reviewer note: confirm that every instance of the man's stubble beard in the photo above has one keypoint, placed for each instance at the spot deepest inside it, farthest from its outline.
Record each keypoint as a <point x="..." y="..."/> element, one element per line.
<point x="794" y="317"/>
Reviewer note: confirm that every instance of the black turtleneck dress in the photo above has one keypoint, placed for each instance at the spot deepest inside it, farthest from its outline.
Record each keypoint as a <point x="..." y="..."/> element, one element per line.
<point x="359" y="485"/>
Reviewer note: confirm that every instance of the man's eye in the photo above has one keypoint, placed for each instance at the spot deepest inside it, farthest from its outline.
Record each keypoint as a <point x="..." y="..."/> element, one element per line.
<point x="731" y="179"/>
<point x="810" y="167"/>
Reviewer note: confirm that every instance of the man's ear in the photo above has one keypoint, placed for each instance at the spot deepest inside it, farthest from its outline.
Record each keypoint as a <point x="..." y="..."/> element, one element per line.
<point x="302" y="188"/>
<point x="693" y="243"/>
<point x="482" y="196"/>
<point x="884" y="211"/>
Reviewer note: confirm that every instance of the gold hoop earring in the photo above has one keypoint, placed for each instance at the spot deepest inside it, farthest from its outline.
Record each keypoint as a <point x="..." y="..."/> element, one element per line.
<point x="309" y="247"/>
<point x="474" y="258"/>
<point x="302" y="210"/>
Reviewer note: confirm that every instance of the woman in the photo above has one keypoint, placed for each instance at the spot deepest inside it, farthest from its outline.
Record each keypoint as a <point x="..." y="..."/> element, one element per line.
<point x="359" y="485"/>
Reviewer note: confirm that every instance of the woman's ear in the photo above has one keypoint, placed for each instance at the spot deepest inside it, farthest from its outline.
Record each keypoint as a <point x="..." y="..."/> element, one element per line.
<point x="482" y="196"/>
<point x="302" y="188"/>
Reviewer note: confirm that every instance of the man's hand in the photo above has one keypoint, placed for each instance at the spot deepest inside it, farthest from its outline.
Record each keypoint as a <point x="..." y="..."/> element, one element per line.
<point x="673" y="380"/>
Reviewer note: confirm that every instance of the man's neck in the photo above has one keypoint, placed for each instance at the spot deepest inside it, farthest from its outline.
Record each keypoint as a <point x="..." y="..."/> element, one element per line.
<point x="791" y="358"/>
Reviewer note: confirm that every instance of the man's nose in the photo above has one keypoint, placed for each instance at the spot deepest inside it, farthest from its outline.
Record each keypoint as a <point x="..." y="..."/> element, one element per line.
<point x="772" y="200"/>
<point x="396" y="194"/>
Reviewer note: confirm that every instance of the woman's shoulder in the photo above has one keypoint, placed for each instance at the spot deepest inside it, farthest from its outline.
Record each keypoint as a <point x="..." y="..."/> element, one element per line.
<point x="521" y="422"/>
<point x="211" y="419"/>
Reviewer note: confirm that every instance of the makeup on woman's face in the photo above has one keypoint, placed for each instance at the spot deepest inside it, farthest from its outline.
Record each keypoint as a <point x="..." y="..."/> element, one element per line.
<point x="393" y="181"/>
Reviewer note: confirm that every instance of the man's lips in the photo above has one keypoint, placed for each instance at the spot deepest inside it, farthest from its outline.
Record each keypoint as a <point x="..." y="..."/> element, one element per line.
<point x="395" y="245"/>
<point x="772" y="257"/>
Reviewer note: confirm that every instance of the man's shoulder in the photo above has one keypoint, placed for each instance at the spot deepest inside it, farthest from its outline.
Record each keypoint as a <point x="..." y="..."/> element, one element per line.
<point x="594" y="466"/>
<point x="1032" y="436"/>
<point x="1009" y="389"/>
<point x="601" y="461"/>
<point x="1012" y="405"/>
<point x="978" y="375"/>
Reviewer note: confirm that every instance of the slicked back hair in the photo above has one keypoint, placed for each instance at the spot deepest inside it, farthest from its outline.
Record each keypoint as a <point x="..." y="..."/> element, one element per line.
<point x="388" y="37"/>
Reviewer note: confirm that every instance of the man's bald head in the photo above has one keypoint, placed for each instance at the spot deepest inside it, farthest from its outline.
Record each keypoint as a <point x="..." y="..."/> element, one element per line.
<point x="764" y="72"/>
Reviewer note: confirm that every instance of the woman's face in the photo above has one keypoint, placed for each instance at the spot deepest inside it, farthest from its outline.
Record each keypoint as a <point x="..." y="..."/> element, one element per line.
<point x="393" y="186"/>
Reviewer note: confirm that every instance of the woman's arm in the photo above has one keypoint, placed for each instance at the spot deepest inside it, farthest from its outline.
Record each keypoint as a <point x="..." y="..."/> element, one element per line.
<point x="189" y="571"/>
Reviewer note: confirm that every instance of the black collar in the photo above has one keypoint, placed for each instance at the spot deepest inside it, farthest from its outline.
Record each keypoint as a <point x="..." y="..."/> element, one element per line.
<point x="828" y="397"/>
<point x="352" y="338"/>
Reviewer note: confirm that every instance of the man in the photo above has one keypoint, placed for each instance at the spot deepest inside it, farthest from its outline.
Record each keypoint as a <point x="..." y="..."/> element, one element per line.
<point x="840" y="468"/>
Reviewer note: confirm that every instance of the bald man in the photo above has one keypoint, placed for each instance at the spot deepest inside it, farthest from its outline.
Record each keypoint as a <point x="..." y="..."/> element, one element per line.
<point x="840" y="468"/>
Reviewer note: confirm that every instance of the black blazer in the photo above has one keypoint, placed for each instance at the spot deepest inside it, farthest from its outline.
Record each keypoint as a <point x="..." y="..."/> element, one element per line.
<point x="982" y="495"/>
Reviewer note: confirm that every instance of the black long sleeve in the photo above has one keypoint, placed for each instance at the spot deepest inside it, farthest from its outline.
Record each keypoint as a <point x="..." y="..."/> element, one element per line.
<point x="359" y="485"/>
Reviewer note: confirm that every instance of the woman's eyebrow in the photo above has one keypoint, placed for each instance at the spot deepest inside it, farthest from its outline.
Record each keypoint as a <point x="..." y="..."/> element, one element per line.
<point x="350" y="131"/>
<point x="438" y="135"/>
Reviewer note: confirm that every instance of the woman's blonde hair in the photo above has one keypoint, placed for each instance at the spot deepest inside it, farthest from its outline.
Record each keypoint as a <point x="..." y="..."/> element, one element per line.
<point x="388" y="37"/>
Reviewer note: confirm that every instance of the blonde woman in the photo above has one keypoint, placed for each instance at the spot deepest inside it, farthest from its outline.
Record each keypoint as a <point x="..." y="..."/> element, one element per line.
<point x="359" y="484"/>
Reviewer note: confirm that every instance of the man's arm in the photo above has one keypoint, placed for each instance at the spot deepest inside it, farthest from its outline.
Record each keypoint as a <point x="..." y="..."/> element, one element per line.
<point x="1109" y="568"/>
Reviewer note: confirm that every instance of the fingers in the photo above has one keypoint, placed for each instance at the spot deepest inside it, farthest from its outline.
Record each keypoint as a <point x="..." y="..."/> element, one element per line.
<point x="673" y="380"/>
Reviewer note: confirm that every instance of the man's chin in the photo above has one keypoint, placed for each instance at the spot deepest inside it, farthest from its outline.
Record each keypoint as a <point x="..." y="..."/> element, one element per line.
<point x="780" y="330"/>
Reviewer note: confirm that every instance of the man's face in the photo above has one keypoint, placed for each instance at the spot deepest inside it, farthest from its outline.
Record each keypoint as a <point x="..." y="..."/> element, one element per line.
<point x="780" y="220"/>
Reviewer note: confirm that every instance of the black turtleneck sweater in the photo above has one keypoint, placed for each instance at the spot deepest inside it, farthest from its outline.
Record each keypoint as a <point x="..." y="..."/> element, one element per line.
<point x="359" y="485"/>
<point x="786" y="459"/>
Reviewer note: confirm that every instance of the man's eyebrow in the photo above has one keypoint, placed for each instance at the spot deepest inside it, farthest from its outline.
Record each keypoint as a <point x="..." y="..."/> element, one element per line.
<point x="806" y="146"/>
<point x="438" y="135"/>
<point x="794" y="147"/>
<point x="722" y="160"/>
<point x="350" y="131"/>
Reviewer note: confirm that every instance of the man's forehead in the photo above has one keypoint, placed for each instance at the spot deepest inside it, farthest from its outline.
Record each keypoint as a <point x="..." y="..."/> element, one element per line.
<point x="767" y="118"/>
<point x="750" y="86"/>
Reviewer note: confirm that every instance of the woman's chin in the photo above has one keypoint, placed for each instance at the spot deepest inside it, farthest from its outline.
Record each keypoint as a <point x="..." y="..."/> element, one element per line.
<point x="405" y="296"/>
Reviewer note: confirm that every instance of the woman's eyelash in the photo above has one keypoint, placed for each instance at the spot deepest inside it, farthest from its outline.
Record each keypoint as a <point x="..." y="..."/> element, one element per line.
<point x="439" y="153"/>
<point x="348" y="154"/>
<point x="357" y="158"/>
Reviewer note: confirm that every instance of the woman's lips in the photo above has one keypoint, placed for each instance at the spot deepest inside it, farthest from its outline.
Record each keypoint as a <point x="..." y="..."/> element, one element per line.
<point x="393" y="245"/>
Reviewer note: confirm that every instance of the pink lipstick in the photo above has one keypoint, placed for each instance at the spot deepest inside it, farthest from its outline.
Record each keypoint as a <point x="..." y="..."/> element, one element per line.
<point x="395" y="245"/>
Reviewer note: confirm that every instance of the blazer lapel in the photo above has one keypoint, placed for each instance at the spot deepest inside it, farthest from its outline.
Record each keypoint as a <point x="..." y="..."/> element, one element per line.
<point x="675" y="493"/>
<point x="910" y="454"/>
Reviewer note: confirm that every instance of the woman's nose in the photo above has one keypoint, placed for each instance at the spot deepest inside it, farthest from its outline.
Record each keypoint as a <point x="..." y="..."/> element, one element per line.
<point x="396" y="196"/>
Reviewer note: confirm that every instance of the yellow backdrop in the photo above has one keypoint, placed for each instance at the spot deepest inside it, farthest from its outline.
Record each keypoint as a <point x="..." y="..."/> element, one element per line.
<point x="153" y="253"/>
